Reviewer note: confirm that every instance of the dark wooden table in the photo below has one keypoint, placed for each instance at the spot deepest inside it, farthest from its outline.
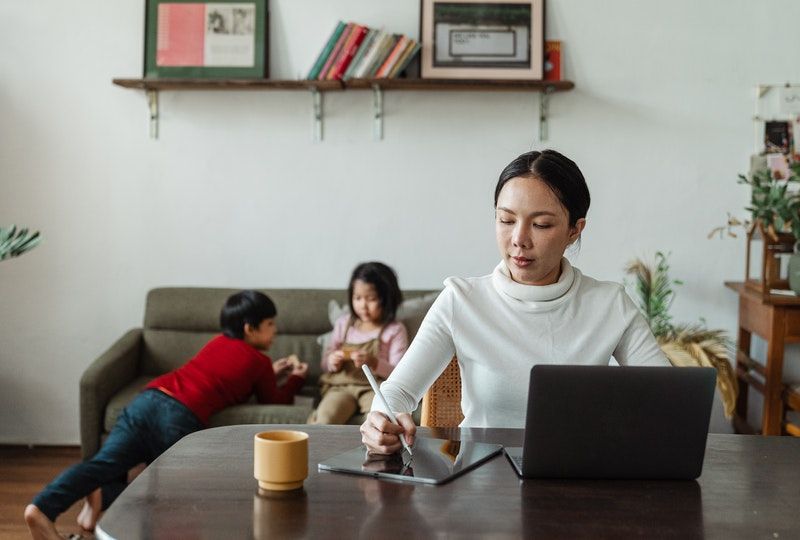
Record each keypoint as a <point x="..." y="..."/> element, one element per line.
<point x="203" y="487"/>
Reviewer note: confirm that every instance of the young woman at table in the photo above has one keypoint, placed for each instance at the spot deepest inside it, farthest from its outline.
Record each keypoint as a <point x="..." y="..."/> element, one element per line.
<point x="534" y="308"/>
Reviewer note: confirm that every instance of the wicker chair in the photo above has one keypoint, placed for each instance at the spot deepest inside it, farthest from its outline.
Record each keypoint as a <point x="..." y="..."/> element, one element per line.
<point x="441" y="405"/>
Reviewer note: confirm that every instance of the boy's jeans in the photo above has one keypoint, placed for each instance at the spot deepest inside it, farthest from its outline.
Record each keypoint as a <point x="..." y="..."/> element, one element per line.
<point x="146" y="428"/>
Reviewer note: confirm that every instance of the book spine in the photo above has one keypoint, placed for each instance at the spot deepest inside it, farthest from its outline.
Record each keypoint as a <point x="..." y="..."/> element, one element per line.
<point x="552" y="61"/>
<point x="362" y="50"/>
<point x="393" y="56"/>
<point x="350" y="48"/>
<point x="335" y="52"/>
<point x="386" y="48"/>
<point x="369" y="56"/>
<point x="326" y="51"/>
<point x="404" y="60"/>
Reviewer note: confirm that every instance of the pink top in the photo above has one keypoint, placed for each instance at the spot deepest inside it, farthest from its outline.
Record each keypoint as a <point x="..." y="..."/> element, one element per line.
<point x="394" y="342"/>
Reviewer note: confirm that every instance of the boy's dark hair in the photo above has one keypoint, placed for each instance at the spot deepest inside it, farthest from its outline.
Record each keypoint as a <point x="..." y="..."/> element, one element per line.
<point x="383" y="278"/>
<point x="246" y="307"/>
<point x="561" y="175"/>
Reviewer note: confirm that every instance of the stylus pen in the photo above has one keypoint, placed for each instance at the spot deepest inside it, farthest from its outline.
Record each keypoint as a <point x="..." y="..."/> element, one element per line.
<point x="374" y="384"/>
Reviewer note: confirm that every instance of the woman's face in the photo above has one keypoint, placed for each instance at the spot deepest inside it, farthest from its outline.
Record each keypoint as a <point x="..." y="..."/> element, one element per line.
<point x="532" y="229"/>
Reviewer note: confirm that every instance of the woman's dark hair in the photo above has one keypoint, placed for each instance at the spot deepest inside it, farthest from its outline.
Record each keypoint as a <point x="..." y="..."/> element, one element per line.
<point x="560" y="174"/>
<point x="246" y="307"/>
<point x="383" y="278"/>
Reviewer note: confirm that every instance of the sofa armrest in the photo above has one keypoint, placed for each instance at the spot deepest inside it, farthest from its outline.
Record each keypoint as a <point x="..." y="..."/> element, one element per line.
<point x="104" y="377"/>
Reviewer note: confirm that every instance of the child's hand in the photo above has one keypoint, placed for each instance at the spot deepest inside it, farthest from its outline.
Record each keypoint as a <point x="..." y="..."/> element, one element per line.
<point x="301" y="369"/>
<point x="335" y="361"/>
<point x="285" y="364"/>
<point x="360" y="358"/>
<point x="281" y="365"/>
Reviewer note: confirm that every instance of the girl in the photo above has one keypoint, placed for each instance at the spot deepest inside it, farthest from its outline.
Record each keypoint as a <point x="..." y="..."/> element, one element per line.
<point x="533" y="308"/>
<point x="368" y="335"/>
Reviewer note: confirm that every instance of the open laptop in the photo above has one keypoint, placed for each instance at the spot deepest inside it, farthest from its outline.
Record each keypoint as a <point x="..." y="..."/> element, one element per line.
<point x="615" y="422"/>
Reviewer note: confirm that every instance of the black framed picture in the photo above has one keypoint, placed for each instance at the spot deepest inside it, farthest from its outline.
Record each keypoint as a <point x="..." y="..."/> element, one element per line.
<point x="197" y="39"/>
<point x="482" y="39"/>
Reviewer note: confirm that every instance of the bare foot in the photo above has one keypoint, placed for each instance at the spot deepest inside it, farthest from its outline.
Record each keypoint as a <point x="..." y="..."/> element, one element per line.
<point x="90" y="512"/>
<point x="40" y="525"/>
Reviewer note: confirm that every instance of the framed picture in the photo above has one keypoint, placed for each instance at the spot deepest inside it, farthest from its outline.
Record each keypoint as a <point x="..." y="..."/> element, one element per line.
<point x="198" y="39"/>
<point x="482" y="39"/>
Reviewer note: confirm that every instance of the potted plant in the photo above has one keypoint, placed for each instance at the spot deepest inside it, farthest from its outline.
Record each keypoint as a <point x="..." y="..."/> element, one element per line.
<point x="775" y="219"/>
<point x="14" y="242"/>
<point x="683" y="344"/>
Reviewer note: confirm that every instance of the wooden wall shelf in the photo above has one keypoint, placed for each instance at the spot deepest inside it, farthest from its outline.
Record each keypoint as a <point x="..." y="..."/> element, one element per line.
<point x="317" y="88"/>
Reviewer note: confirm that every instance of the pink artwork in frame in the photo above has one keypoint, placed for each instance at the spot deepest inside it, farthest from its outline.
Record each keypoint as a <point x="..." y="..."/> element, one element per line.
<point x="180" y="35"/>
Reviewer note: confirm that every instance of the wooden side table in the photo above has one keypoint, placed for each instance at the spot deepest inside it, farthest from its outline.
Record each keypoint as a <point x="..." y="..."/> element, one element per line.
<point x="776" y="319"/>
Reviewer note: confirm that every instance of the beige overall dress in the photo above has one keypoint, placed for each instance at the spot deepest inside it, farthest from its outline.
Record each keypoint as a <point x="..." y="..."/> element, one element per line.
<point x="347" y="391"/>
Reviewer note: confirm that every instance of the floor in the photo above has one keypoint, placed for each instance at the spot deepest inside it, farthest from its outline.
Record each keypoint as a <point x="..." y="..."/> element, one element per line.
<point x="23" y="472"/>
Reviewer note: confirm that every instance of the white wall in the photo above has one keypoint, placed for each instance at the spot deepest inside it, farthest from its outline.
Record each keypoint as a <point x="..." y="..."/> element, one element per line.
<point x="234" y="193"/>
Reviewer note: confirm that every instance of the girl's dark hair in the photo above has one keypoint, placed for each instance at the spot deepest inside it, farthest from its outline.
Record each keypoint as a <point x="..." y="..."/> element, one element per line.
<point x="560" y="174"/>
<point x="246" y="307"/>
<point x="383" y="278"/>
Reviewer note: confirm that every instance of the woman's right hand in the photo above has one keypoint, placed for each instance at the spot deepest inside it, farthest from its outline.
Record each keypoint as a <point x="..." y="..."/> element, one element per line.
<point x="335" y="361"/>
<point x="382" y="436"/>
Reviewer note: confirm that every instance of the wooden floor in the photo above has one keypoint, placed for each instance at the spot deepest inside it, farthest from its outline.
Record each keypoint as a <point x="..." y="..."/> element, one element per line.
<point x="23" y="472"/>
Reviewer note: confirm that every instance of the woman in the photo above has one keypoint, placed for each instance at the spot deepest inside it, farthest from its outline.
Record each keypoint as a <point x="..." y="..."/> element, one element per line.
<point x="534" y="308"/>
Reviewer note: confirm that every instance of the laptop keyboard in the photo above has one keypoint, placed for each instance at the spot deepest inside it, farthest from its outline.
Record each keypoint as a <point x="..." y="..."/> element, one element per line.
<point x="517" y="461"/>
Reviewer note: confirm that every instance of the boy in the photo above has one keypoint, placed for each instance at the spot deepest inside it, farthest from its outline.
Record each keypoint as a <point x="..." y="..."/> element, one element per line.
<point x="226" y="371"/>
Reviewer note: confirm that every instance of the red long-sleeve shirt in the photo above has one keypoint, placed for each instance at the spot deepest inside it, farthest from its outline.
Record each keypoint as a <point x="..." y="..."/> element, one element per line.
<point x="226" y="372"/>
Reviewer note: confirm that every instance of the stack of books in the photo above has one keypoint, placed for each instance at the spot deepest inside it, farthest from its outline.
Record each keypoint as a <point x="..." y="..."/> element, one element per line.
<point x="355" y="51"/>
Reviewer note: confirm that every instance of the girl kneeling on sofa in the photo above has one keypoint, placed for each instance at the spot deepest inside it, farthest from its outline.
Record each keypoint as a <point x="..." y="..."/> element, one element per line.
<point x="370" y="335"/>
<point x="226" y="371"/>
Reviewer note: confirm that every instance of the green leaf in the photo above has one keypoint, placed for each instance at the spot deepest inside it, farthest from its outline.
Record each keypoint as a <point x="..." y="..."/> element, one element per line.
<point x="14" y="243"/>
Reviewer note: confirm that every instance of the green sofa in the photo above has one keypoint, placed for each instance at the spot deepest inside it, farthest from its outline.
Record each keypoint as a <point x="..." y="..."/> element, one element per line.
<point x="178" y="321"/>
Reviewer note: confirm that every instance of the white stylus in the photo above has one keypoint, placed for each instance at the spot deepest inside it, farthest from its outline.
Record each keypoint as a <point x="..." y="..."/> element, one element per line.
<point x="374" y="384"/>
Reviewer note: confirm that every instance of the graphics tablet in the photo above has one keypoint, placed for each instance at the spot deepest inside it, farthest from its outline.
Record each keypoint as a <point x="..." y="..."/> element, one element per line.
<point x="435" y="461"/>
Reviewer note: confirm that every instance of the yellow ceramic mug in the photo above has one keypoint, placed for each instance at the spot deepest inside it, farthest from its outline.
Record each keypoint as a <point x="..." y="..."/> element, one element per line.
<point x="280" y="459"/>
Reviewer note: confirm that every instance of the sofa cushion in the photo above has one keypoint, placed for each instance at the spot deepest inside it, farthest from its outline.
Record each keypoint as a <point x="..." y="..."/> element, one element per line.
<point x="246" y="413"/>
<point x="121" y="400"/>
<point x="253" y="413"/>
<point x="196" y="309"/>
<point x="166" y="350"/>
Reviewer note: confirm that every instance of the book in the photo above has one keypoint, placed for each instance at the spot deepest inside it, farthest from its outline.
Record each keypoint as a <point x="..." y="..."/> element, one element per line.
<point x="326" y="51"/>
<point x="385" y="48"/>
<point x="369" y="55"/>
<point x="552" y="60"/>
<point x="392" y="58"/>
<point x="405" y="59"/>
<point x="362" y="50"/>
<point x="348" y="51"/>
<point x="335" y="52"/>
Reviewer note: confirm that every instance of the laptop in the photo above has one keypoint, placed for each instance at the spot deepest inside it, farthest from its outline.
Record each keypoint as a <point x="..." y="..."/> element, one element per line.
<point x="614" y="422"/>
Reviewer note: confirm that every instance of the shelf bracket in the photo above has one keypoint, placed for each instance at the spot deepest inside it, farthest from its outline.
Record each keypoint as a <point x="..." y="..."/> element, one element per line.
<point x="316" y="98"/>
<point x="152" y="105"/>
<point x="544" y="110"/>
<point x="377" y="113"/>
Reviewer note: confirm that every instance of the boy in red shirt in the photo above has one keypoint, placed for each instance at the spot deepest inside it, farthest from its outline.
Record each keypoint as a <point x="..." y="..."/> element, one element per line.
<point x="226" y="371"/>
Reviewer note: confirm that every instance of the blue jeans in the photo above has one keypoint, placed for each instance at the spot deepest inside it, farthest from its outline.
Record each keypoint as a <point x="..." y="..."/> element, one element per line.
<point x="146" y="428"/>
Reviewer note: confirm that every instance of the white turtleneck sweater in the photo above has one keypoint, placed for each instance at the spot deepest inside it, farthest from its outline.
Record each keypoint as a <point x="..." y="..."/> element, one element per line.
<point x="499" y="329"/>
